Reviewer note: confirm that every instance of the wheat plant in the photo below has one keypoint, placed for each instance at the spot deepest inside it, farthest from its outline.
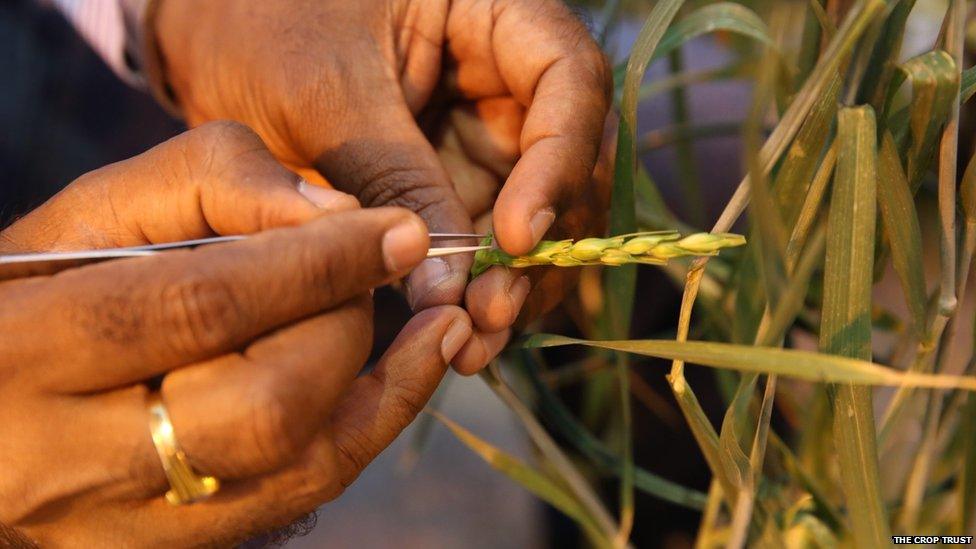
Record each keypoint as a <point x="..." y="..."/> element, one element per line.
<point x="850" y="137"/>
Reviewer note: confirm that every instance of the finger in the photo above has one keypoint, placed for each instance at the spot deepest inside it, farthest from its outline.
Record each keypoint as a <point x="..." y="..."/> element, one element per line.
<point x="495" y="298"/>
<point x="481" y="349"/>
<point x="383" y="403"/>
<point x="250" y="413"/>
<point x="376" y="408"/>
<point x="475" y="185"/>
<point x="389" y="162"/>
<point x="228" y="183"/>
<point x="121" y="322"/>
<point x="584" y="216"/>
<point x="488" y="132"/>
<point x="554" y="68"/>
<point x="216" y="179"/>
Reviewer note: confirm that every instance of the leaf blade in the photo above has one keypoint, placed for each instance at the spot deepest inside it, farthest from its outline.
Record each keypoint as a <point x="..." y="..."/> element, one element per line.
<point x="524" y="475"/>
<point x="804" y="365"/>
<point x="845" y="328"/>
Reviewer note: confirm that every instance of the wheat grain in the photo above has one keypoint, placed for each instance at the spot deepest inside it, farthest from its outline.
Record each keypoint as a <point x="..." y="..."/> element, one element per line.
<point x="649" y="248"/>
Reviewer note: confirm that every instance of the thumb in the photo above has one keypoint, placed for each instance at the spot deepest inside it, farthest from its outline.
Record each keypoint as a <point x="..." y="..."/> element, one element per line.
<point x="384" y="159"/>
<point x="381" y="404"/>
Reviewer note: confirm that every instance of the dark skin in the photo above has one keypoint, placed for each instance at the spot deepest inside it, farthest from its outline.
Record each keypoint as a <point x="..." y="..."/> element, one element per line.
<point x="257" y="396"/>
<point x="472" y="113"/>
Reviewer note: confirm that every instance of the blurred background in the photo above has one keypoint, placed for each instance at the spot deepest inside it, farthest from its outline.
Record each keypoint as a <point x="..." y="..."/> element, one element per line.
<point x="63" y="113"/>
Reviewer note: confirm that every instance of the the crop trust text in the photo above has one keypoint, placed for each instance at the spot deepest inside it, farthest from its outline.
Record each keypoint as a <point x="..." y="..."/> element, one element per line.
<point x="929" y="540"/>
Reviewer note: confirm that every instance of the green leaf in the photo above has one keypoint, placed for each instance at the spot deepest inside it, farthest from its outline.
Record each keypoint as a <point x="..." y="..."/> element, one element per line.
<point x="736" y="431"/>
<point x="685" y="152"/>
<point x="529" y="478"/>
<point x="805" y="155"/>
<point x="620" y="283"/>
<point x="652" y="212"/>
<point x="904" y="234"/>
<point x="557" y="461"/>
<point x="812" y="204"/>
<point x="834" y="58"/>
<point x="720" y="16"/>
<point x="593" y="449"/>
<point x="885" y="56"/>
<point x="845" y="328"/>
<point x="701" y="428"/>
<point x="968" y="84"/>
<point x="791" y="301"/>
<point x="935" y="85"/>
<point x="816" y="27"/>
<point x="804" y="365"/>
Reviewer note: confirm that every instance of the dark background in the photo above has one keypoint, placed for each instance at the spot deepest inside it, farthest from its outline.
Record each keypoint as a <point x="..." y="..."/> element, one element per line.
<point x="62" y="111"/>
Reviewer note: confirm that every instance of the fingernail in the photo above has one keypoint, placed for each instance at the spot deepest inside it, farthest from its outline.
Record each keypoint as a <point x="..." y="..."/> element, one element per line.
<point x="457" y="335"/>
<point x="426" y="278"/>
<point x="325" y="198"/>
<point x="540" y="223"/>
<point x="404" y="246"/>
<point x="517" y="294"/>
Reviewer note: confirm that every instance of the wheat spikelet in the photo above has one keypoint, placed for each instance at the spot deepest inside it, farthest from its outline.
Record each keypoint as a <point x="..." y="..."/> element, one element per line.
<point x="651" y="248"/>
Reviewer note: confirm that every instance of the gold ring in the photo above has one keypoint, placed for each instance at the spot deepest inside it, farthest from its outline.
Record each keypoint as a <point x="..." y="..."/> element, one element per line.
<point x="185" y="485"/>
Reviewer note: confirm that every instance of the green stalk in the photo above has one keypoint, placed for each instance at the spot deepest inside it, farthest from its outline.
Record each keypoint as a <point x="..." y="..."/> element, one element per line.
<point x="685" y="151"/>
<point x="621" y="283"/>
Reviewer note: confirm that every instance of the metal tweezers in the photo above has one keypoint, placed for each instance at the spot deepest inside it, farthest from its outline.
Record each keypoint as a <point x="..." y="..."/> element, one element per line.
<point x="33" y="264"/>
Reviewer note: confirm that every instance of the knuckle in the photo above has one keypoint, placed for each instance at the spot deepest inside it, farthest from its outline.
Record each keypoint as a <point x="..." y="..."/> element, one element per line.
<point x="356" y="449"/>
<point x="409" y="398"/>
<point x="393" y="180"/>
<point x="227" y="132"/>
<point x="278" y="433"/>
<point x="319" y="476"/>
<point x="593" y="69"/>
<point x="408" y="394"/>
<point x="115" y="315"/>
<point x="392" y="175"/>
<point x="199" y="313"/>
<point x="325" y="272"/>
<point x="603" y="71"/>
<point x="214" y="146"/>
<point x="404" y="187"/>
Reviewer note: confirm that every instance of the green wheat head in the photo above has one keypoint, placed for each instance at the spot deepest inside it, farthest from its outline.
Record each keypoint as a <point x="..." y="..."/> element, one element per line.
<point x="649" y="248"/>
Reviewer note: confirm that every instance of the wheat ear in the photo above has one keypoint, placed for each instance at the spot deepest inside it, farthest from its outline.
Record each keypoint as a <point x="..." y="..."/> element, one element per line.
<point x="652" y="248"/>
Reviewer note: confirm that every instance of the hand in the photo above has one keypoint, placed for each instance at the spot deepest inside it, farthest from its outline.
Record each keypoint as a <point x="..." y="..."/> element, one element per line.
<point x="339" y="86"/>
<point x="258" y="397"/>
<point x="218" y="179"/>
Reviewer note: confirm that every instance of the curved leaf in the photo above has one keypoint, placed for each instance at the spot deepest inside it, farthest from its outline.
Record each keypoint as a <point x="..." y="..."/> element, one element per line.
<point x="529" y="478"/>
<point x="721" y="16"/>
<point x="814" y="367"/>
